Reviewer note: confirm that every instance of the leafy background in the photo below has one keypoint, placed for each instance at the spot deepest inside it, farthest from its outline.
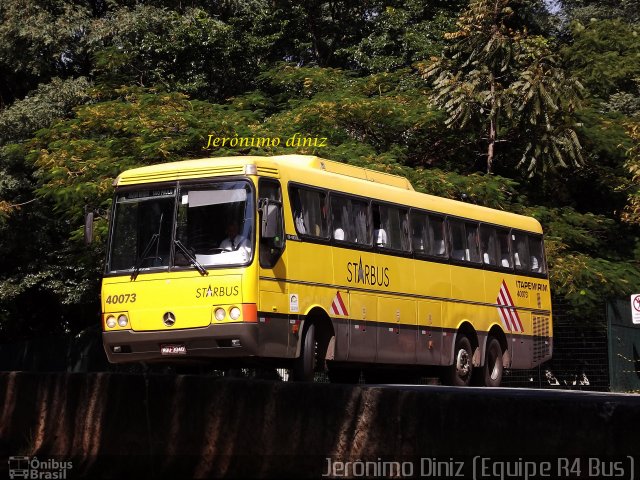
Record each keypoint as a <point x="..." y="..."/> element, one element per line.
<point x="522" y="105"/>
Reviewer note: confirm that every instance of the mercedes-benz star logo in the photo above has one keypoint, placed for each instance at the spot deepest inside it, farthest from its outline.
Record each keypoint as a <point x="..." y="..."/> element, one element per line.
<point x="169" y="319"/>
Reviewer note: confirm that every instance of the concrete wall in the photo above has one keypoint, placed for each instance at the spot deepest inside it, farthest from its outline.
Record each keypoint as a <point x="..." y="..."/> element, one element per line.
<point x="114" y="425"/>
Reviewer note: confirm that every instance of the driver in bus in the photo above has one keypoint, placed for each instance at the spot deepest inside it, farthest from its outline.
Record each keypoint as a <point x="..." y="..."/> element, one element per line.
<point x="234" y="241"/>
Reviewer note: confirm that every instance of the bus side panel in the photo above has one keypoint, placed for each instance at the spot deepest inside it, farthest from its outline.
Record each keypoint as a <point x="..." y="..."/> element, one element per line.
<point x="429" y="341"/>
<point x="396" y="331"/>
<point x="522" y="353"/>
<point x="448" y="335"/>
<point x="273" y="326"/>
<point x="362" y="329"/>
<point x="466" y="284"/>
<point x="341" y="329"/>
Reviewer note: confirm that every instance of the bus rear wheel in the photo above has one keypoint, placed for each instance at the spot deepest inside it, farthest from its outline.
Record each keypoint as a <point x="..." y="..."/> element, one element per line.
<point x="493" y="368"/>
<point x="305" y="365"/>
<point x="459" y="374"/>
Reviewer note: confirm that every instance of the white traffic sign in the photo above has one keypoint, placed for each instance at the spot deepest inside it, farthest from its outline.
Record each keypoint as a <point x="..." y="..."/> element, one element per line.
<point x="635" y="308"/>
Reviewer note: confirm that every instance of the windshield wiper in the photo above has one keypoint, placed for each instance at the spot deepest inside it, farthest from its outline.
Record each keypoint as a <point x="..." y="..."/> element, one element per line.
<point x="136" y="269"/>
<point x="154" y="238"/>
<point x="203" y="271"/>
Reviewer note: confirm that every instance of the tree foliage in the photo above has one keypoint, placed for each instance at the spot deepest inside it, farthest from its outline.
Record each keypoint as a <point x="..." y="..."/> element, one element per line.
<point x="499" y="79"/>
<point x="604" y="55"/>
<point x="632" y="211"/>
<point x="91" y="88"/>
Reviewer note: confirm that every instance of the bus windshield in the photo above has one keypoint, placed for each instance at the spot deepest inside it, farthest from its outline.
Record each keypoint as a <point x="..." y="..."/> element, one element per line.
<point x="214" y="227"/>
<point x="215" y="223"/>
<point x="142" y="223"/>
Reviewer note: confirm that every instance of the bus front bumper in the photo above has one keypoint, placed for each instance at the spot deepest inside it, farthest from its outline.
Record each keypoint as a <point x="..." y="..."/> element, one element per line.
<point x="230" y="340"/>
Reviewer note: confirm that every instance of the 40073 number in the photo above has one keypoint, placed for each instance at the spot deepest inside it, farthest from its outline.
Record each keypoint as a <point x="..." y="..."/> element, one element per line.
<point x="124" y="298"/>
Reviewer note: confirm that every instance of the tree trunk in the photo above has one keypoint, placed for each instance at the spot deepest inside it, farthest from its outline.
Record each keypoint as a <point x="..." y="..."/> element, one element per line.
<point x="492" y="141"/>
<point x="493" y="115"/>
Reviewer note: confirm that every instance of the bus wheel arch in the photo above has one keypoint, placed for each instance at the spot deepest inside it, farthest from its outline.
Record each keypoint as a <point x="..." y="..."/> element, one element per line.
<point x="315" y="344"/>
<point x="496" y="358"/>
<point x="496" y="332"/>
<point x="465" y="350"/>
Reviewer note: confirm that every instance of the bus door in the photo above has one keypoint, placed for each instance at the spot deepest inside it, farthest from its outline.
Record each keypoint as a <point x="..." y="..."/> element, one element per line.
<point x="275" y="335"/>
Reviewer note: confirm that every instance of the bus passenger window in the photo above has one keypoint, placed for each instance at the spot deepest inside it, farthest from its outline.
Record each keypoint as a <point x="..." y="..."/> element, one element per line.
<point x="379" y="233"/>
<point x="488" y="245"/>
<point x="419" y="232"/>
<point x="437" y="236"/>
<point x="536" y="253"/>
<point x="458" y="240"/>
<point x="350" y="220"/>
<point x="473" y="249"/>
<point x="390" y="228"/>
<point x="464" y="241"/>
<point x="310" y="212"/>
<point x="340" y="218"/>
<point x="503" y="253"/>
<point x="520" y="250"/>
<point x="360" y="210"/>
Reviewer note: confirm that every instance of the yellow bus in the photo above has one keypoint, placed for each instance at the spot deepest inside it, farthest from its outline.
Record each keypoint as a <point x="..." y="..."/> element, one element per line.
<point x="304" y="263"/>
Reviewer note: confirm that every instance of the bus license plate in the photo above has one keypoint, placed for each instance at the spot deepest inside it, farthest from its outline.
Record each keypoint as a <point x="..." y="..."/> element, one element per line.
<point x="173" y="350"/>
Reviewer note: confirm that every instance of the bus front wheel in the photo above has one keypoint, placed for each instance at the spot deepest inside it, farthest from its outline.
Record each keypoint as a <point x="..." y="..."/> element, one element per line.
<point x="460" y="373"/>
<point x="304" y="366"/>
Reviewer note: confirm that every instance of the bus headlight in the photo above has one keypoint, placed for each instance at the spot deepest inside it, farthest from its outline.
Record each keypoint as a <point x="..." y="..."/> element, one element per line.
<point x="111" y="321"/>
<point x="123" y="320"/>
<point x="234" y="313"/>
<point x="220" y="314"/>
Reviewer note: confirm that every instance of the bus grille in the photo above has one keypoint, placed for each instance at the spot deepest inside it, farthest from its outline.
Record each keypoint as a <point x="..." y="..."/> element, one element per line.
<point x="262" y="170"/>
<point x="541" y="344"/>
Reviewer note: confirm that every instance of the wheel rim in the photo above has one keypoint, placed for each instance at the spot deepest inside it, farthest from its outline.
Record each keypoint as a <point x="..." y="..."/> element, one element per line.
<point x="495" y="371"/>
<point x="494" y="366"/>
<point x="463" y="366"/>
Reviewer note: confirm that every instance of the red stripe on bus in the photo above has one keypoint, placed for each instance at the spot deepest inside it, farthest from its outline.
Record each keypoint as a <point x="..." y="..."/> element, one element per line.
<point x="513" y="305"/>
<point x="506" y="310"/>
<point x="344" y="309"/>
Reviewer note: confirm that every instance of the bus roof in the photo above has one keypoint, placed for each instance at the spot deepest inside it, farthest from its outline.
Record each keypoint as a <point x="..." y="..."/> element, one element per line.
<point x="328" y="174"/>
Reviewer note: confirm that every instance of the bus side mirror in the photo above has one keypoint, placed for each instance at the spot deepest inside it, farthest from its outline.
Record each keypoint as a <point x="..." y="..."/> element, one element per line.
<point x="271" y="232"/>
<point x="271" y="220"/>
<point x="88" y="228"/>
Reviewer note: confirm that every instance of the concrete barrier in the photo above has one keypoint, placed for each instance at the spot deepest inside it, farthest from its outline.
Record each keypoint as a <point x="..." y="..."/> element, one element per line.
<point x="115" y="425"/>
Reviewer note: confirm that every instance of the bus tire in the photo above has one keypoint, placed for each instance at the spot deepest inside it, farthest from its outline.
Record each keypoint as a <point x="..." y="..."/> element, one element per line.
<point x="493" y="368"/>
<point x="305" y="365"/>
<point x="460" y="373"/>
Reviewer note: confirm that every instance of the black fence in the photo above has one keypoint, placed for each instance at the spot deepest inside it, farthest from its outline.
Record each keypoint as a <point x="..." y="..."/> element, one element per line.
<point x="580" y="356"/>
<point x="624" y="345"/>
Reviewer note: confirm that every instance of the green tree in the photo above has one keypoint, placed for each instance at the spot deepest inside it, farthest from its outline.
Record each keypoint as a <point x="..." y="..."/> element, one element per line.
<point x="632" y="210"/>
<point x="605" y="55"/>
<point x="499" y="79"/>
<point x="190" y="51"/>
<point x="586" y="10"/>
<point x="400" y="35"/>
<point x="40" y="40"/>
